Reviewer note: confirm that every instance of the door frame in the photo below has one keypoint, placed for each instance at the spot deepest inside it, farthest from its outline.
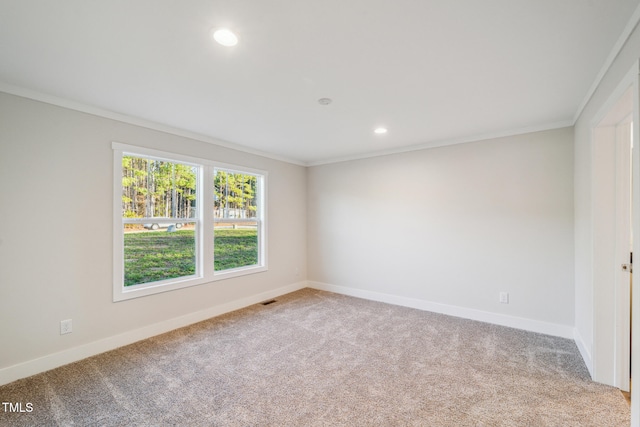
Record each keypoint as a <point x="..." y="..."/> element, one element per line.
<point x="610" y="350"/>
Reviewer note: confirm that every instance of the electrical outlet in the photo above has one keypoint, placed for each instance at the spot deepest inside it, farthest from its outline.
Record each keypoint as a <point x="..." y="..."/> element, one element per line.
<point x="65" y="327"/>
<point x="296" y="272"/>
<point x="504" y="297"/>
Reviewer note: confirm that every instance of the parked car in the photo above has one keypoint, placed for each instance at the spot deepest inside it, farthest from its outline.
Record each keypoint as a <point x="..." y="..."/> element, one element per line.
<point x="157" y="225"/>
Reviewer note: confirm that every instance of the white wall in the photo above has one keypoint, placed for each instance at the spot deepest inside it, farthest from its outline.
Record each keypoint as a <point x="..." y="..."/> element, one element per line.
<point x="56" y="237"/>
<point x="455" y="226"/>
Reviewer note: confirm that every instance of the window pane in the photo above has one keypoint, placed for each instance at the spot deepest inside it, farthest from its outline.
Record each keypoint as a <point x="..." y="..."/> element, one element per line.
<point x="151" y="255"/>
<point x="155" y="188"/>
<point x="235" y="195"/>
<point x="235" y="245"/>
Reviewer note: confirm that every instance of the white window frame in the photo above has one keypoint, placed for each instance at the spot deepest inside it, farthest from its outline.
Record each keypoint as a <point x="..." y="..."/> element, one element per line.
<point x="260" y="219"/>
<point x="204" y="220"/>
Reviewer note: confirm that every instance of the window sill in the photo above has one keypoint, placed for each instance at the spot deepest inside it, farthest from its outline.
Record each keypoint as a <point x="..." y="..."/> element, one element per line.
<point x="237" y="272"/>
<point x="137" y="291"/>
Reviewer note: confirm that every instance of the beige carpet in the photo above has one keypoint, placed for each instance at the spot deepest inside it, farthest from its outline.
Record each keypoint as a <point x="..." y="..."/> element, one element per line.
<point x="319" y="359"/>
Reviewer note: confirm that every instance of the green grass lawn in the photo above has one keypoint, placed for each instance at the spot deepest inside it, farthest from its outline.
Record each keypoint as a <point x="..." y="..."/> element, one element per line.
<point x="235" y="248"/>
<point x="159" y="255"/>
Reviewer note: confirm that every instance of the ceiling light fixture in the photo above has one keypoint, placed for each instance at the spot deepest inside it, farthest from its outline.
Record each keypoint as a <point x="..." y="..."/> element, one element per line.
<point x="225" y="37"/>
<point x="380" y="131"/>
<point x="324" y="101"/>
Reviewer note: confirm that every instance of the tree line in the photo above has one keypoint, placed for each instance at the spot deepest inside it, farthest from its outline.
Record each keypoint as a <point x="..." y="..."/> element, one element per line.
<point x="235" y="195"/>
<point x="158" y="188"/>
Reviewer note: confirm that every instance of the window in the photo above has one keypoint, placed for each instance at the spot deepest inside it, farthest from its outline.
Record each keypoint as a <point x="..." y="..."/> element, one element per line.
<point x="159" y="219"/>
<point x="236" y="220"/>
<point x="181" y="221"/>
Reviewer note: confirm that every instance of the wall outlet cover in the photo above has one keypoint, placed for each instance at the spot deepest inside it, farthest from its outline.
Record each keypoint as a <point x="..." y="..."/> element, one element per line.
<point x="66" y="326"/>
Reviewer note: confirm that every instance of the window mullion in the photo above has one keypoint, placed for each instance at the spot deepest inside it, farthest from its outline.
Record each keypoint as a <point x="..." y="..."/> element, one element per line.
<point x="206" y="235"/>
<point x="118" y="238"/>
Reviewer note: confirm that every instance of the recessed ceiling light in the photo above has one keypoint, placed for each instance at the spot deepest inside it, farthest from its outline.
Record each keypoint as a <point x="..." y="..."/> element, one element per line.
<point x="324" y="101"/>
<point x="380" y="130"/>
<point x="225" y="37"/>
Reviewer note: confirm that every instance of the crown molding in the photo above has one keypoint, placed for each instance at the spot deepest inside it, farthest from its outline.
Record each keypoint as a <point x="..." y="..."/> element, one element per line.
<point x="108" y="114"/>
<point x="615" y="51"/>
<point x="446" y="142"/>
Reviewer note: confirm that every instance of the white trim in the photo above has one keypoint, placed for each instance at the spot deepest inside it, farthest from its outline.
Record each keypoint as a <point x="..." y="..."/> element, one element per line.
<point x="614" y="98"/>
<point x="100" y="112"/>
<point x="446" y="142"/>
<point x="635" y="200"/>
<point x="51" y="361"/>
<point x="531" y="325"/>
<point x="584" y="351"/>
<point x="120" y="292"/>
<point x="261" y="221"/>
<point x="622" y="361"/>
<point x="228" y="167"/>
<point x="118" y="236"/>
<point x="125" y="118"/>
<point x="608" y="352"/>
<point x="152" y="153"/>
<point x="174" y="156"/>
<point x="237" y="272"/>
<point x="204" y="221"/>
<point x="613" y="54"/>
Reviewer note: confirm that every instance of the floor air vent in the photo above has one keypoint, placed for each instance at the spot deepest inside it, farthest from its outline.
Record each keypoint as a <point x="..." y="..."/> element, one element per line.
<point x="269" y="302"/>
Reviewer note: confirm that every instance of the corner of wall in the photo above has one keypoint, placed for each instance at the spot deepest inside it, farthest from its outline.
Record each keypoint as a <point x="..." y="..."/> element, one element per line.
<point x="584" y="351"/>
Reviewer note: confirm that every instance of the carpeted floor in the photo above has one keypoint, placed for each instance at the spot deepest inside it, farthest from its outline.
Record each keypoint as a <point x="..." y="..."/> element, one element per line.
<point x="319" y="359"/>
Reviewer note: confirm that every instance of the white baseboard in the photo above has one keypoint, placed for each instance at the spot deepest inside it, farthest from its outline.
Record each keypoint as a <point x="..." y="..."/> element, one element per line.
<point x="547" y="328"/>
<point x="584" y="351"/>
<point x="51" y="361"/>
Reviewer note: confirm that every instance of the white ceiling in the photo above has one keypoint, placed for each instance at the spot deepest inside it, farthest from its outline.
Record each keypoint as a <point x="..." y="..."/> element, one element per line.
<point x="431" y="71"/>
